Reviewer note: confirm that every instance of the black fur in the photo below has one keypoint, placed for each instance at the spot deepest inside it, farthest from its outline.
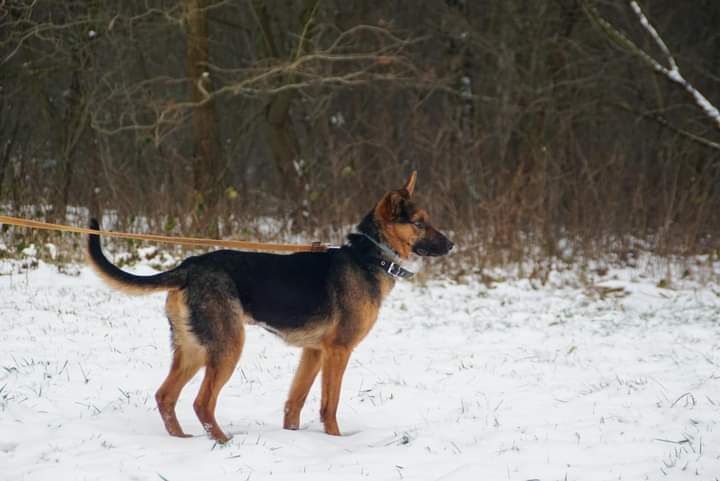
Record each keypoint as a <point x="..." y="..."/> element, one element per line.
<point x="171" y="279"/>
<point x="285" y="292"/>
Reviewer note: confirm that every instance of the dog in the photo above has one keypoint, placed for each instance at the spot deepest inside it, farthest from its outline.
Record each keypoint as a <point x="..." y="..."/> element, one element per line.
<point x="323" y="302"/>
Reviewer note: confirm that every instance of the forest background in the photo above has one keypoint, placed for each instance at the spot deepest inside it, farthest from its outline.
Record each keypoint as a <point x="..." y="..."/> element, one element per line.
<point x="535" y="133"/>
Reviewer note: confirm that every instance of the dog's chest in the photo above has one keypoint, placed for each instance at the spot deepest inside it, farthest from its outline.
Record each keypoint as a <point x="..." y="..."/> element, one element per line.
<point x="360" y="313"/>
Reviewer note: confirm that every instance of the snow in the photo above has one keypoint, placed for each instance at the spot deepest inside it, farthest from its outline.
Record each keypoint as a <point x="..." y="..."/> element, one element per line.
<point x="518" y="381"/>
<point x="30" y="251"/>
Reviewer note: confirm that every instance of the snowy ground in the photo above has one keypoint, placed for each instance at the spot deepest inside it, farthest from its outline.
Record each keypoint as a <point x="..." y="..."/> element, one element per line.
<point x="456" y="382"/>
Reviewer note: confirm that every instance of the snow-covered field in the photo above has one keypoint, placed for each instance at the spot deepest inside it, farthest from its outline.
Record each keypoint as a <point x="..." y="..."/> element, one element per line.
<point x="456" y="382"/>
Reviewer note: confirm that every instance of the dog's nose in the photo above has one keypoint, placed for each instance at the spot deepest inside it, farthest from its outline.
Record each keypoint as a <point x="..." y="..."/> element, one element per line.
<point x="450" y="245"/>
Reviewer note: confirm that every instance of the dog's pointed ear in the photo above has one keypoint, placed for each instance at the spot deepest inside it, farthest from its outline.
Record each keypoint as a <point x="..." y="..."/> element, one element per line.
<point x="391" y="206"/>
<point x="410" y="184"/>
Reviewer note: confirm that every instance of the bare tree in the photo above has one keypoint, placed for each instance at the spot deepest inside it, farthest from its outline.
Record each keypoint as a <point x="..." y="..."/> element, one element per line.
<point x="526" y="129"/>
<point x="671" y="72"/>
<point x="207" y="162"/>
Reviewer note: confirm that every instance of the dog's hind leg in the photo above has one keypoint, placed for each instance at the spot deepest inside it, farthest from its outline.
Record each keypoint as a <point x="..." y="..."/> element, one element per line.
<point x="302" y="382"/>
<point x="184" y="367"/>
<point x="219" y="368"/>
<point x="188" y="357"/>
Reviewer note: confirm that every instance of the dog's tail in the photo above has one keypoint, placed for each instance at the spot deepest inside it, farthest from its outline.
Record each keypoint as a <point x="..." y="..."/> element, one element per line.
<point x="124" y="281"/>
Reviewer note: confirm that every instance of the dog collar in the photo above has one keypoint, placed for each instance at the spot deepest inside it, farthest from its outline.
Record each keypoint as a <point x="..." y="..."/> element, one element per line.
<point x="394" y="256"/>
<point x="390" y="267"/>
<point x="394" y="270"/>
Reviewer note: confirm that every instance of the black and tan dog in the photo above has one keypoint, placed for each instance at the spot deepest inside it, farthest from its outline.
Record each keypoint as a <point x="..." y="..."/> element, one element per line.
<point x="323" y="302"/>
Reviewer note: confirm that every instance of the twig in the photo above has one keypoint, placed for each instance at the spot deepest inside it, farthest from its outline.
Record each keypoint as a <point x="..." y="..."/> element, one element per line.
<point x="682" y="441"/>
<point x="661" y="120"/>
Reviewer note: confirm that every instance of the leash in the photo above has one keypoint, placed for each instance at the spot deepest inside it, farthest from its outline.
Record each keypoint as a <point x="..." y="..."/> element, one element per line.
<point x="186" y="241"/>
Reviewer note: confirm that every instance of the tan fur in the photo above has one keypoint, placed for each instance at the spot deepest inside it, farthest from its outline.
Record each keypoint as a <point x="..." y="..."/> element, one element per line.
<point x="386" y="285"/>
<point x="188" y="357"/>
<point x="307" y="371"/>
<point x="331" y="354"/>
<point x="410" y="184"/>
<point x="218" y="371"/>
<point x="421" y="215"/>
<point x="311" y="336"/>
<point x="183" y="339"/>
<point x="181" y="371"/>
<point x="365" y="313"/>
<point x="401" y="237"/>
<point x="334" y="362"/>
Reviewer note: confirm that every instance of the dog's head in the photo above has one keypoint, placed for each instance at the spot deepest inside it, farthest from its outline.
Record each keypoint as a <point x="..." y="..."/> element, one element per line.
<point x="405" y="227"/>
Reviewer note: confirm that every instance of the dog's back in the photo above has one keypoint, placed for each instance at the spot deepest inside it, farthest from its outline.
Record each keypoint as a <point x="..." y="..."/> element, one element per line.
<point x="291" y="295"/>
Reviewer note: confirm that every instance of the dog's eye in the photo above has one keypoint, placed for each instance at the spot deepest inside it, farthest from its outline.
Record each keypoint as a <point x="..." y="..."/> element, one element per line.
<point x="419" y="224"/>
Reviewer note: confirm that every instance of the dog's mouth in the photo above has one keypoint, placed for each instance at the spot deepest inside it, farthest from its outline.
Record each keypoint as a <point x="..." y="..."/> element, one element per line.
<point x="432" y="251"/>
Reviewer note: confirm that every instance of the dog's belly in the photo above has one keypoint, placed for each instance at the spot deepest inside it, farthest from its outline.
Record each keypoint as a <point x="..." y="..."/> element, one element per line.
<point x="291" y="310"/>
<point x="285" y="293"/>
<point x="299" y="313"/>
<point x="309" y="335"/>
<point x="284" y="304"/>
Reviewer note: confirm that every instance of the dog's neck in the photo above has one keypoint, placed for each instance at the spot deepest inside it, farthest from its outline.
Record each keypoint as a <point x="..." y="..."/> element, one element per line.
<point x="367" y="238"/>
<point x="369" y="231"/>
<point x="385" y="249"/>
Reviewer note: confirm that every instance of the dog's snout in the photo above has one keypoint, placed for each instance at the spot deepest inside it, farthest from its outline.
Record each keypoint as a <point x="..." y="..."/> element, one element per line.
<point x="450" y="245"/>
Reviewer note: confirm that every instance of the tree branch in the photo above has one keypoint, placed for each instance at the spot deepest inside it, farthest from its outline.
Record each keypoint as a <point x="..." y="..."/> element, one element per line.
<point x="672" y="73"/>
<point x="663" y="122"/>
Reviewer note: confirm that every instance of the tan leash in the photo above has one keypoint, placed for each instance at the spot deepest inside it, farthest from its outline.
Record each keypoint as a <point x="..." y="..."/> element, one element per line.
<point x="187" y="241"/>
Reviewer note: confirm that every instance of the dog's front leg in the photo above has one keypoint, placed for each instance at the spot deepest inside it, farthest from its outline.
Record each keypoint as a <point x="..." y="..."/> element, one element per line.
<point x="334" y="362"/>
<point x="310" y="362"/>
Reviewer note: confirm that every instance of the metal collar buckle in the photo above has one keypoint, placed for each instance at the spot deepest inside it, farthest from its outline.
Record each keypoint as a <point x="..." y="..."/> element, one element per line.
<point x="395" y="270"/>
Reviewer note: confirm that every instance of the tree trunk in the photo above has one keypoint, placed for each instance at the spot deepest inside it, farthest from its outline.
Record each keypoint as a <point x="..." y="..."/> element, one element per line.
<point x="278" y="127"/>
<point x="7" y="150"/>
<point x="73" y="125"/>
<point x="206" y="158"/>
